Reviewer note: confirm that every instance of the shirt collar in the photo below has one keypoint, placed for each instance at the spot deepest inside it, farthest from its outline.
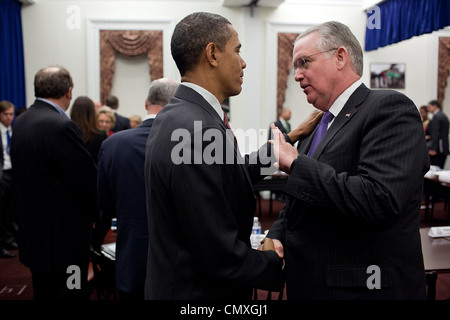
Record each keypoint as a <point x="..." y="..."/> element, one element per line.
<point x="150" y="116"/>
<point x="208" y="96"/>
<point x="54" y="105"/>
<point x="339" y="103"/>
<point x="4" y="128"/>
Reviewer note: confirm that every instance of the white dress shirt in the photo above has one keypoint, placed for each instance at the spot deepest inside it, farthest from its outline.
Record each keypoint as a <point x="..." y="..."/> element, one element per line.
<point x="6" y="157"/>
<point x="208" y="96"/>
<point x="339" y="103"/>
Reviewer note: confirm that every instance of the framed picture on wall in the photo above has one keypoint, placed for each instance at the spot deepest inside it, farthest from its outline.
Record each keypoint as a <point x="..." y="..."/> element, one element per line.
<point x="387" y="75"/>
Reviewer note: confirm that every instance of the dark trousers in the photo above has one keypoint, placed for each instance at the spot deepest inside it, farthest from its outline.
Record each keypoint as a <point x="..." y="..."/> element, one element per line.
<point x="8" y="226"/>
<point x="52" y="285"/>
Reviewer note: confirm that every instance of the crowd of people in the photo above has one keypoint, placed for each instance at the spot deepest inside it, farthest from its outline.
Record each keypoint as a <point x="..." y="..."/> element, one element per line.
<point x="56" y="155"/>
<point x="184" y="228"/>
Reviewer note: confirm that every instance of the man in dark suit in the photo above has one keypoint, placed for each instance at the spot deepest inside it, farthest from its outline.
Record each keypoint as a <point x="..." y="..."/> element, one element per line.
<point x="200" y="201"/>
<point x="122" y="123"/>
<point x="54" y="181"/>
<point x="350" y="225"/>
<point x="283" y="123"/>
<point x="437" y="132"/>
<point x="7" y="221"/>
<point x="121" y="191"/>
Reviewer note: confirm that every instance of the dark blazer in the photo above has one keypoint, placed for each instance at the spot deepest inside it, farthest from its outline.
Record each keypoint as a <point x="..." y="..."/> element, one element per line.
<point x="437" y="129"/>
<point x="122" y="123"/>
<point x="55" y="185"/>
<point x="95" y="142"/>
<point x="356" y="203"/>
<point x="121" y="191"/>
<point x="200" y="215"/>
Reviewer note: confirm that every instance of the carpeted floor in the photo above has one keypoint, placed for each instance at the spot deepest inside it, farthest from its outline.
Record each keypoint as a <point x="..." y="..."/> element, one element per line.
<point x="15" y="279"/>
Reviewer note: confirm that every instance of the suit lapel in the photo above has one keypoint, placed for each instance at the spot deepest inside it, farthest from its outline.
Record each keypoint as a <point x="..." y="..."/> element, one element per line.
<point x="344" y="117"/>
<point x="193" y="96"/>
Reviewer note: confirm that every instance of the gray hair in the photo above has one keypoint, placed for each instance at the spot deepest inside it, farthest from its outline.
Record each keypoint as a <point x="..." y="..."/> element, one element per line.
<point x="334" y="34"/>
<point x="161" y="91"/>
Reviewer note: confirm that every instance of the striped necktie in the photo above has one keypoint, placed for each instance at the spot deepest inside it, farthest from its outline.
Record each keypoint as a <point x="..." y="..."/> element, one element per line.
<point x="8" y="139"/>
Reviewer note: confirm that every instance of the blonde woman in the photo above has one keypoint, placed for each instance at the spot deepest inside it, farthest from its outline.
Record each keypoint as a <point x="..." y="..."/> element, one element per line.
<point x="106" y="120"/>
<point x="135" y="120"/>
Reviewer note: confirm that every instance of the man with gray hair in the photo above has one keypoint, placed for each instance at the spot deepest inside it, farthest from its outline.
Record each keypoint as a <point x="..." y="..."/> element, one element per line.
<point x="350" y="225"/>
<point x="121" y="191"/>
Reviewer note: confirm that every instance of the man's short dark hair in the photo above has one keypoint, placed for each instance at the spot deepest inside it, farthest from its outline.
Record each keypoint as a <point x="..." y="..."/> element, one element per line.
<point x="52" y="82"/>
<point x="6" y="105"/>
<point x="435" y="103"/>
<point x="112" y="102"/>
<point x="192" y="35"/>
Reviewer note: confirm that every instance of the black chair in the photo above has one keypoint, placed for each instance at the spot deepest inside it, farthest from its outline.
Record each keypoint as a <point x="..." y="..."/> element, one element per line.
<point x="431" y="279"/>
<point x="104" y="276"/>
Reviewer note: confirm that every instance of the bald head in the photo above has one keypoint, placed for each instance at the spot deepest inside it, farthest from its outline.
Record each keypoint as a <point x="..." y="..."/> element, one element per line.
<point x="52" y="82"/>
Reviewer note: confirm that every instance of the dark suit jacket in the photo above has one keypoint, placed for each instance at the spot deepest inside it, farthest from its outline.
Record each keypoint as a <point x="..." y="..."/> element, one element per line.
<point x="122" y="123"/>
<point x="200" y="215"/>
<point x="121" y="191"/>
<point x="356" y="203"/>
<point x="94" y="144"/>
<point x="55" y="185"/>
<point x="437" y="129"/>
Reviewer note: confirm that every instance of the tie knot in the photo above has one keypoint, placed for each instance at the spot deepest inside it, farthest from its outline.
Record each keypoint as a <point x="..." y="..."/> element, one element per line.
<point x="327" y="117"/>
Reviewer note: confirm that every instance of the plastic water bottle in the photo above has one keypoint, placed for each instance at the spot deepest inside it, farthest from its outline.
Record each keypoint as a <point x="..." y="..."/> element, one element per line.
<point x="256" y="226"/>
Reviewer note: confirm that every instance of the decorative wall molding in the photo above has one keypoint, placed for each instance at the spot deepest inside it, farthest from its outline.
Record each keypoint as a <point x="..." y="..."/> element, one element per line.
<point x="272" y="31"/>
<point x="93" y="27"/>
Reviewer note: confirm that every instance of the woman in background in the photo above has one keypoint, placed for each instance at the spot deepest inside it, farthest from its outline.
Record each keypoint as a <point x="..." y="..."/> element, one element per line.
<point x="83" y="114"/>
<point x="106" y="120"/>
<point x="135" y="120"/>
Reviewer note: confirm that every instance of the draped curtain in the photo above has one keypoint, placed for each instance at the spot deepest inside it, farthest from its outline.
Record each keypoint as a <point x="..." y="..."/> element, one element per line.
<point x="285" y="47"/>
<point x="129" y="43"/>
<point x="443" y="67"/>
<point x="404" y="19"/>
<point x="12" y="74"/>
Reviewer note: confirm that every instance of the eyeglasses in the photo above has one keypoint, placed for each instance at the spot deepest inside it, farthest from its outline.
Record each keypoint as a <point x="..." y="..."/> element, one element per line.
<point x="302" y="62"/>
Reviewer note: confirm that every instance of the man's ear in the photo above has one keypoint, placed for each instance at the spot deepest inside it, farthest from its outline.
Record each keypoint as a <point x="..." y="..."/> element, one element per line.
<point x="342" y="57"/>
<point x="212" y="54"/>
<point x="69" y="94"/>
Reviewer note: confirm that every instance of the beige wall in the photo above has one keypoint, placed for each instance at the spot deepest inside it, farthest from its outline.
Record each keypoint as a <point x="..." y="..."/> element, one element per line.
<point x="52" y="35"/>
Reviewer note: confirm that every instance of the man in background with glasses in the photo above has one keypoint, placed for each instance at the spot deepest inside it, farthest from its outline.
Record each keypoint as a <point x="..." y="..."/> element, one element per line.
<point x="350" y="225"/>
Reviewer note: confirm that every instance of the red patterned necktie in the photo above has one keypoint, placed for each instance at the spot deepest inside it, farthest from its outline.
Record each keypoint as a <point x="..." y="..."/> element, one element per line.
<point x="225" y="120"/>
